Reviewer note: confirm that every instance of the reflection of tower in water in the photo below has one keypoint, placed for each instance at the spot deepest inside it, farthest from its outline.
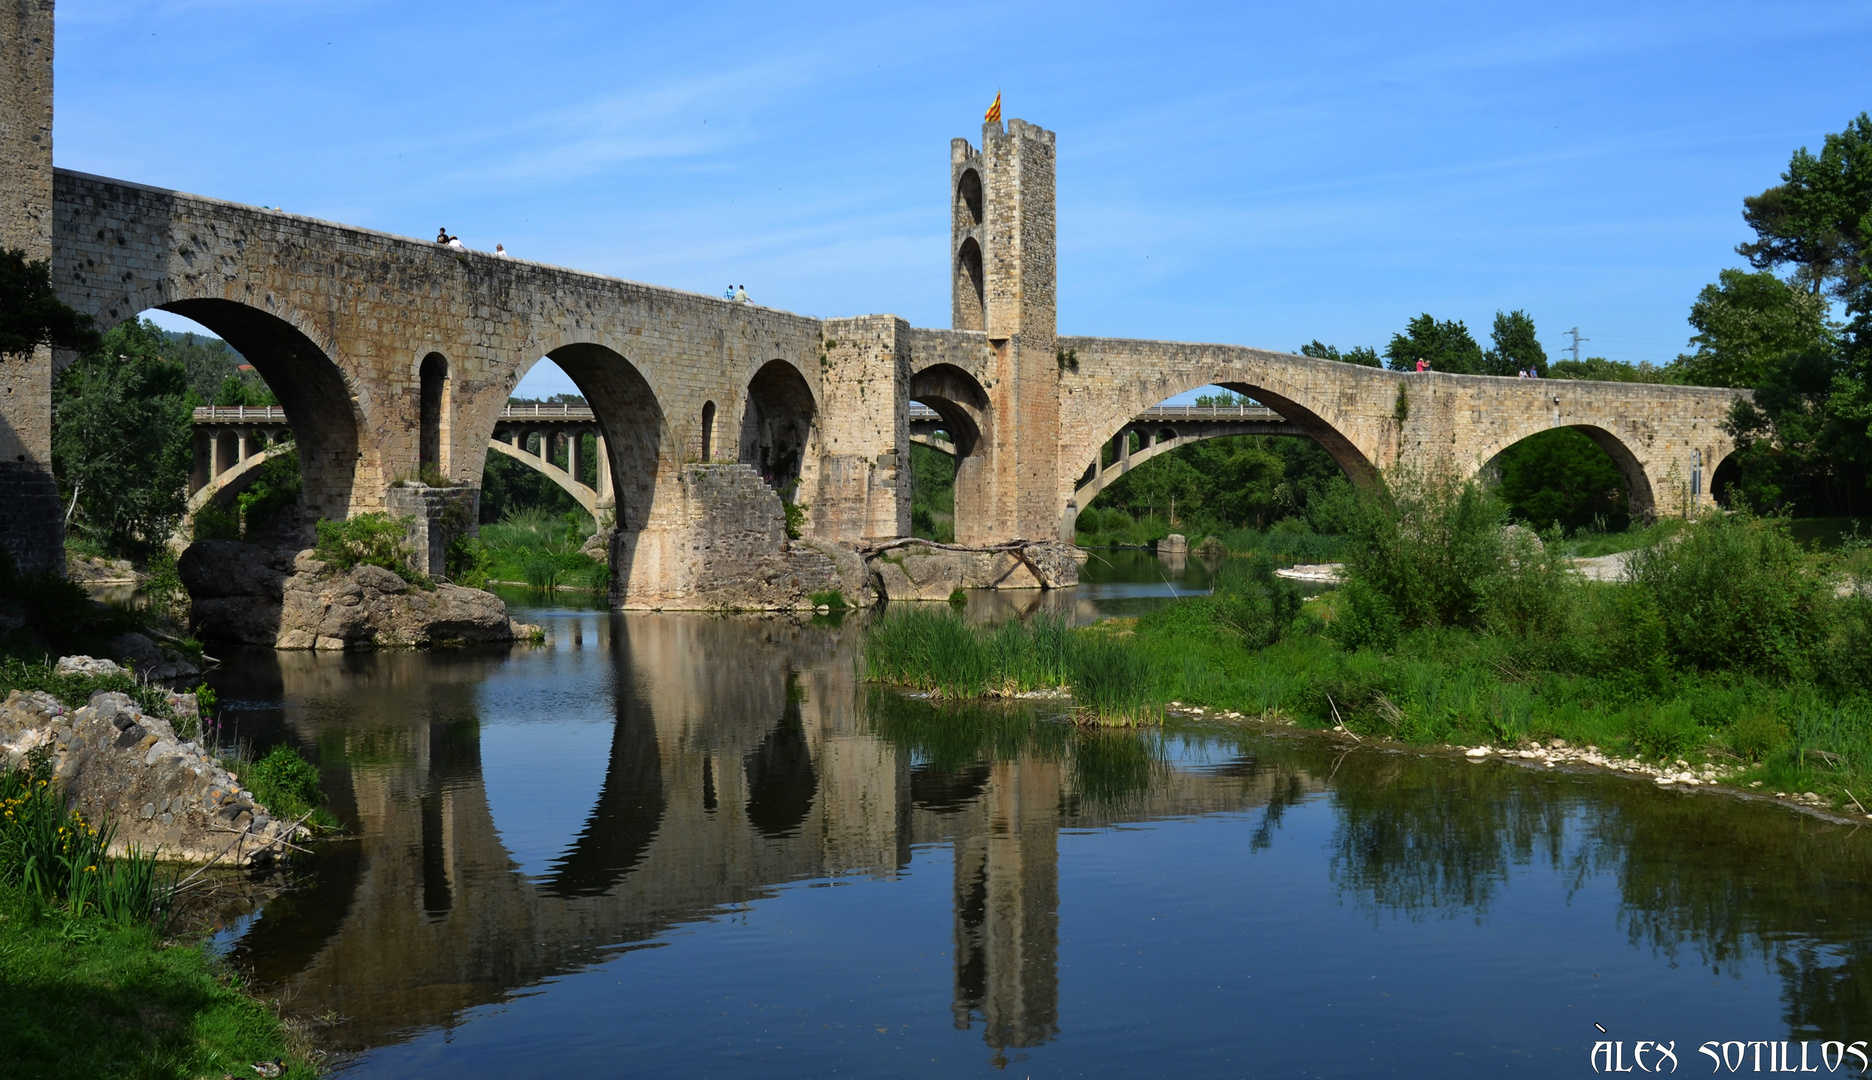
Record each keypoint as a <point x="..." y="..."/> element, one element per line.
<point x="1007" y="908"/>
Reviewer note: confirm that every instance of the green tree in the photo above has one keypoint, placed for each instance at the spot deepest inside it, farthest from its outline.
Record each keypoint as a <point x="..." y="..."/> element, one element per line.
<point x="122" y="438"/>
<point x="1819" y="218"/>
<point x="31" y="314"/>
<point x="1599" y="369"/>
<point x="1362" y="355"/>
<point x="1748" y="325"/>
<point x="1806" y="439"/>
<point x="1446" y="345"/>
<point x="1516" y="348"/>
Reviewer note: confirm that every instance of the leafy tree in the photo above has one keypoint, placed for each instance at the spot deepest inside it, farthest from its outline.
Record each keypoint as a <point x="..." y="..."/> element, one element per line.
<point x="1516" y="348"/>
<point x="1446" y="345"/>
<point x="1599" y="369"/>
<point x="1748" y="325"/>
<point x="1819" y="218"/>
<point x="1806" y="439"/>
<point x="122" y="439"/>
<point x="31" y="314"/>
<point x="1362" y="355"/>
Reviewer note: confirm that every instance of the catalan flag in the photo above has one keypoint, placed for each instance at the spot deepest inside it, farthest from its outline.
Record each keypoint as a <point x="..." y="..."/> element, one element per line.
<point x="994" y="111"/>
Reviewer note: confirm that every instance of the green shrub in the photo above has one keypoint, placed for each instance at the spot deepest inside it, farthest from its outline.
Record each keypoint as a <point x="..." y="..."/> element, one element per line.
<point x="1365" y="618"/>
<point x="1247" y="600"/>
<point x="1757" y="733"/>
<point x="469" y="562"/>
<point x="829" y="598"/>
<point x="795" y="519"/>
<point x="1429" y="545"/>
<point x="375" y="539"/>
<point x="216" y="523"/>
<point x="1735" y="592"/>
<point x="1664" y="730"/>
<point x="284" y="783"/>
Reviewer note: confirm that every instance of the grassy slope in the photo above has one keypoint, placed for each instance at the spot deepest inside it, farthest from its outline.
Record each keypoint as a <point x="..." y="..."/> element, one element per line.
<point x="88" y="998"/>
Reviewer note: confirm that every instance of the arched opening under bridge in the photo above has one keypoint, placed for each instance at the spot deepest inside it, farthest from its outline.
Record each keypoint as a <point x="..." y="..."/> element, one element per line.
<point x="777" y="425"/>
<point x="949" y="475"/>
<point x="265" y="444"/>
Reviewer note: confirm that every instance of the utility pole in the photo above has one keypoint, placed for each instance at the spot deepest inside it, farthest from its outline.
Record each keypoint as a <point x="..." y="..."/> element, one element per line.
<point x="1576" y="340"/>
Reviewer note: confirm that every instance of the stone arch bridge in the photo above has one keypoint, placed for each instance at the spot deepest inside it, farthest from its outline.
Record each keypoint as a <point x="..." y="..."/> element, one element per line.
<point x="393" y="359"/>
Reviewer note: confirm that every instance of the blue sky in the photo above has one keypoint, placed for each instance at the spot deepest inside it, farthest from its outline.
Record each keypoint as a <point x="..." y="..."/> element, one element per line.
<point x="1261" y="174"/>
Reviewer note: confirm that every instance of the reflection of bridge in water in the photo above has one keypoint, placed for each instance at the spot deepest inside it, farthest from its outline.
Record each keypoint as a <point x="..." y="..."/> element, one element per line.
<point x="740" y="759"/>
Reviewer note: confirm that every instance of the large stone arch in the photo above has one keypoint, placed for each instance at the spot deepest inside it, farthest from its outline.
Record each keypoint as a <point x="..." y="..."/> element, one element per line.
<point x="779" y="423"/>
<point x="968" y="417"/>
<point x="1640" y="495"/>
<point x="1316" y="419"/>
<point x="322" y="406"/>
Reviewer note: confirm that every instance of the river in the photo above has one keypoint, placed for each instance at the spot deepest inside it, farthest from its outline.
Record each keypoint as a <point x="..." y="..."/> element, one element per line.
<point x="681" y="845"/>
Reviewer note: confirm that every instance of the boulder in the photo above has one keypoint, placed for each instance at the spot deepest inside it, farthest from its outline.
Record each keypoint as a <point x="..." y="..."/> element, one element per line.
<point x="212" y="569"/>
<point x="166" y="795"/>
<point x="370" y="607"/>
<point x="296" y="601"/>
<point x="1174" y="544"/>
<point x="150" y="661"/>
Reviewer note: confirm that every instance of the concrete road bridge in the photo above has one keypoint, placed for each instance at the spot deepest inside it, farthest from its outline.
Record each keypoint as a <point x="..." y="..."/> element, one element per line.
<point x="232" y="441"/>
<point x="392" y="356"/>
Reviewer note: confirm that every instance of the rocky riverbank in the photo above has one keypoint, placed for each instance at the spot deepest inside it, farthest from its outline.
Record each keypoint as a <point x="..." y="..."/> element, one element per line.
<point x="292" y="600"/>
<point x="165" y="795"/>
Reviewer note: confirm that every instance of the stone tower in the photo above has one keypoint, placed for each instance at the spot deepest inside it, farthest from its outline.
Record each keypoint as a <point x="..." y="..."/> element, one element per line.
<point x="1004" y="280"/>
<point x="30" y="532"/>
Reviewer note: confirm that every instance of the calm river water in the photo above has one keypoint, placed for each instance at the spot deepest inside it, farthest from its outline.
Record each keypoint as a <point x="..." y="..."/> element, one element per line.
<point x="671" y="845"/>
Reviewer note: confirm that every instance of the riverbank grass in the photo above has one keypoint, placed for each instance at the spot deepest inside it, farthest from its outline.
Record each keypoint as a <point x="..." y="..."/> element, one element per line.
<point x="89" y="985"/>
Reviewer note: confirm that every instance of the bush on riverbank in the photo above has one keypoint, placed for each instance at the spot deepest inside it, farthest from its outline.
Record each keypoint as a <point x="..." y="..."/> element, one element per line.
<point x="1728" y="644"/>
<point x="533" y="548"/>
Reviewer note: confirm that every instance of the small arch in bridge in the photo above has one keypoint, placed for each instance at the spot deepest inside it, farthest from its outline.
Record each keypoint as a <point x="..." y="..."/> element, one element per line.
<point x="629" y="420"/>
<point x="320" y="409"/>
<point x="969" y="194"/>
<point x="708" y="431"/>
<point x="963" y="407"/>
<point x="777" y="423"/>
<point x="968" y="277"/>
<point x="434" y="379"/>
<point x="1552" y="475"/>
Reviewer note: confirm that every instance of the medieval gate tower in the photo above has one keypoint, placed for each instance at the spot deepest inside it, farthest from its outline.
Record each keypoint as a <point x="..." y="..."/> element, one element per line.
<point x="30" y="533"/>
<point x="1004" y="281"/>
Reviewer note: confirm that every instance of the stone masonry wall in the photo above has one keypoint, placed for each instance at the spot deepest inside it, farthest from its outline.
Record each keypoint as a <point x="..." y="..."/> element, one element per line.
<point x="30" y="533"/>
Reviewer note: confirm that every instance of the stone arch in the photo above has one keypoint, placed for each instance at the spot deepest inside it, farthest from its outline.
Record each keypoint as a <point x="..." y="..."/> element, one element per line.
<point x="973" y="307"/>
<point x="969" y="195"/>
<point x="432" y="379"/>
<point x="777" y="424"/>
<point x="630" y="421"/>
<point x="1313" y="420"/>
<point x="322" y="410"/>
<point x="708" y="431"/>
<point x="1640" y="497"/>
<point x="968" y="418"/>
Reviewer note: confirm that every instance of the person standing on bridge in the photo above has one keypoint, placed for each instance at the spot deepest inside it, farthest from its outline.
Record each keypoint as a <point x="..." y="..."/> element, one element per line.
<point x="442" y="236"/>
<point x="1422" y="365"/>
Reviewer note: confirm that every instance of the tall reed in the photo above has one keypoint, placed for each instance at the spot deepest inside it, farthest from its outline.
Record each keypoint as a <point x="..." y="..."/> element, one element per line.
<point x="56" y="854"/>
<point x="935" y="650"/>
